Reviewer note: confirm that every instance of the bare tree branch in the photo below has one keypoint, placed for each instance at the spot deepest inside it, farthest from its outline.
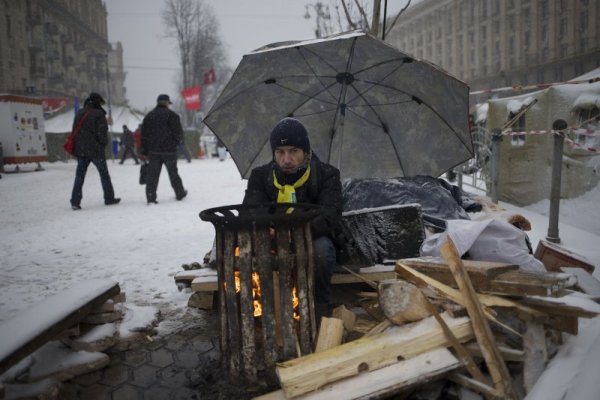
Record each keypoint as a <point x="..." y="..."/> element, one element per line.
<point x="348" y="16"/>
<point x="397" y="16"/>
<point x="363" y="14"/>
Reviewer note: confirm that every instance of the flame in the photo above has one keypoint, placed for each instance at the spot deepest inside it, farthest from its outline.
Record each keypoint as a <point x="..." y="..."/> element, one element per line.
<point x="256" y="296"/>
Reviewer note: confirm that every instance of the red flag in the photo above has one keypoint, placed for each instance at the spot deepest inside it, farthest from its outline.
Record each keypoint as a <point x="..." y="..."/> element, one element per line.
<point x="209" y="76"/>
<point x="191" y="97"/>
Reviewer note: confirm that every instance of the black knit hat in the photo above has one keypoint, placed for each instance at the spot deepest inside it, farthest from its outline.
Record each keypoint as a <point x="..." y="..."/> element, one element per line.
<point x="96" y="98"/>
<point x="290" y="132"/>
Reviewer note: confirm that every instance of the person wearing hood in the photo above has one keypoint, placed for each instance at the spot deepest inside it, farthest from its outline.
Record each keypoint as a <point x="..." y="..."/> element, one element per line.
<point x="296" y="175"/>
<point x="161" y="134"/>
<point x="90" y="147"/>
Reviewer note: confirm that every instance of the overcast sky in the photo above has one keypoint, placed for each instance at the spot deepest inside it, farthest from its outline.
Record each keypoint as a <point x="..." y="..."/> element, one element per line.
<point x="150" y="59"/>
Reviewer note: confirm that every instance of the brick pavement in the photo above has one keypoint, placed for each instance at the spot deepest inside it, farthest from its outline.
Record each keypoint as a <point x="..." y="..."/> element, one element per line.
<point x="170" y="367"/>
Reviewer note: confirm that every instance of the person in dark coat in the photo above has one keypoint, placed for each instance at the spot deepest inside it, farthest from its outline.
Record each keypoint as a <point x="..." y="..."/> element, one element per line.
<point x="297" y="175"/>
<point x="127" y="143"/>
<point x="90" y="147"/>
<point x="161" y="134"/>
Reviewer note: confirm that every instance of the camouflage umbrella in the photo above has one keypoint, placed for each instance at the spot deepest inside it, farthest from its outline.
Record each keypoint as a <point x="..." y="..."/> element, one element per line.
<point x="370" y="110"/>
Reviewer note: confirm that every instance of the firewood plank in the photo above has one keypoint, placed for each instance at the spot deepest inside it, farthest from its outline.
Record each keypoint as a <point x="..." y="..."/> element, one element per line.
<point x="247" y="305"/>
<point x="264" y="267"/>
<point x="305" y="302"/>
<point x="482" y="269"/>
<point x="232" y="310"/>
<point x="223" y="338"/>
<point x="304" y="374"/>
<point x="495" y="363"/>
<point x="493" y="277"/>
<point x="286" y="263"/>
<point x="330" y="334"/>
<point x="383" y="382"/>
<point x="311" y="278"/>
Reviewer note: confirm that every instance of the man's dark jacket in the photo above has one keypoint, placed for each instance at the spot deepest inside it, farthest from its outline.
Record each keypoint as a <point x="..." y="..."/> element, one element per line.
<point x="127" y="138"/>
<point x="161" y="131"/>
<point x="323" y="188"/>
<point x="92" y="138"/>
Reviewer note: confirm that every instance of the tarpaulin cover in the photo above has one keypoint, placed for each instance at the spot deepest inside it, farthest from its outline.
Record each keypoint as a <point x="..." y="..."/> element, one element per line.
<point x="438" y="199"/>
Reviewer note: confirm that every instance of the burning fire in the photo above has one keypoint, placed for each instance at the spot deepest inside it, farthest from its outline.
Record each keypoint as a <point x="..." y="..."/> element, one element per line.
<point x="256" y="295"/>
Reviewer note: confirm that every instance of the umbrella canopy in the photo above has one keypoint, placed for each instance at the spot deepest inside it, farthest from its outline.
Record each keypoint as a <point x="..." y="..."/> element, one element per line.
<point x="370" y="110"/>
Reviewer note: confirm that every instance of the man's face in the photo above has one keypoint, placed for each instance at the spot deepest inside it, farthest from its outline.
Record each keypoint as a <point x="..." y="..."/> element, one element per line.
<point x="289" y="158"/>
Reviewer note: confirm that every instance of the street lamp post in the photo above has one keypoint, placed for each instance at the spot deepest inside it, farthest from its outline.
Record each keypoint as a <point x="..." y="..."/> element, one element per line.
<point x="322" y="14"/>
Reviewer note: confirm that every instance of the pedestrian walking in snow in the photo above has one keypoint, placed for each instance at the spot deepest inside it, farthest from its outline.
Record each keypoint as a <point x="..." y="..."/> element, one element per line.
<point x="221" y="150"/>
<point x="127" y="144"/>
<point x="90" y="147"/>
<point x="161" y="134"/>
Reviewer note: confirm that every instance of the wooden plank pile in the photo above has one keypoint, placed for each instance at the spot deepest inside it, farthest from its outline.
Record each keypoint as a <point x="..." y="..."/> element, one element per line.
<point x="68" y="334"/>
<point x="463" y="322"/>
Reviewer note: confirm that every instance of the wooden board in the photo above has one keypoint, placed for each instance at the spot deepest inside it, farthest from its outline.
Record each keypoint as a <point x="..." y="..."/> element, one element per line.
<point x="383" y="382"/>
<point x="487" y="269"/>
<point x="35" y="326"/>
<point x="554" y="257"/>
<point x="189" y="276"/>
<point x="574" y="304"/>
<point x="493" y="277"/>
<point x="302" y="375"/>
<point x="205" y="284"/>
<point x="375" y="273"/>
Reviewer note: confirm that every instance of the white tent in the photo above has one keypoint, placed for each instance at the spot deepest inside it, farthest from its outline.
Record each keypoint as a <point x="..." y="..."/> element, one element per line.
<point x="121" y="115"/>
<point x="526" y="159"/>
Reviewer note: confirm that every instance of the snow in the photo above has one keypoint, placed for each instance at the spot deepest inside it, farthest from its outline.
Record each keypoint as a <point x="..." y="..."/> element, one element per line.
<point x="46" y="247"/>
<point x="514" y="105"/>
<point x="40" y="317"/>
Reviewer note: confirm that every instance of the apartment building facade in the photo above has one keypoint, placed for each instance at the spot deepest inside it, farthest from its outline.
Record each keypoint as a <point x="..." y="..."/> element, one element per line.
<point x="499" y="43"/>
<point x="58" y="49"/>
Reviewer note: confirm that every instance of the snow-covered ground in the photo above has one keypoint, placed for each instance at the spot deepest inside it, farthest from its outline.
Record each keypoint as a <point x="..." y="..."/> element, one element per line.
<point x="46" y="247"/>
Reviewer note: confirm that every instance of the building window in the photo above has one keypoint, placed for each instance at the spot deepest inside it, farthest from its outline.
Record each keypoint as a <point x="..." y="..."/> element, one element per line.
<point x="583" y="21"/>
<point x="8" y="29"/>
<point x="544" y="9"/>
<point x="527" y="40"/>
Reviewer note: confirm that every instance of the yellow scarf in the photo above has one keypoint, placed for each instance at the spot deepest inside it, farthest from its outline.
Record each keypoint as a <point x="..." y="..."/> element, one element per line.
<point x="287" y="193"/>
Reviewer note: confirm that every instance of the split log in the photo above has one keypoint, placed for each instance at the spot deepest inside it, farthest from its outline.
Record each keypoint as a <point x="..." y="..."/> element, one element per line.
<point x="402" y="302"/>
<point x="331" y="333"/>
<point x="347" y="316"/>
<point x="313" y="371"/>
<point x="383" y="382"/>
<point x="495" y="363"/>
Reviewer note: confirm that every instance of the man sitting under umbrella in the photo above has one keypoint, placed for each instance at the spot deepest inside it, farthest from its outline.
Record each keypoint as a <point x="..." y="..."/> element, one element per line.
<point x="296" y="175"/>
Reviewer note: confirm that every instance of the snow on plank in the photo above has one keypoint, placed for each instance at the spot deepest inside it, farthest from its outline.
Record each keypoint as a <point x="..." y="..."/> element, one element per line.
<point x="42" y="322"/>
